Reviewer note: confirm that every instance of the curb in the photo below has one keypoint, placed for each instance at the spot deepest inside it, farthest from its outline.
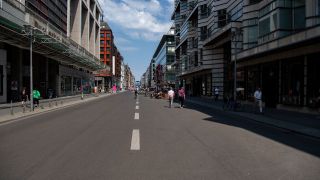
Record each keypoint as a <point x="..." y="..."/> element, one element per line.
<point x="14" y="118"/>
<point x="315" y="133"/>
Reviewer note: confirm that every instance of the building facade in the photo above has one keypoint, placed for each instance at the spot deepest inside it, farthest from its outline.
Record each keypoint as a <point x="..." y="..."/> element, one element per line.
<point x="164" y="72"/>
<point x="63" y="61"/>
<point x="103" y="77"/>
<point x="271" y="44"/>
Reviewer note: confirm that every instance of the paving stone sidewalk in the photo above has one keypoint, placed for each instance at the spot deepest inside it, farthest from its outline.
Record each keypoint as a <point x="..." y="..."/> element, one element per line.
<point x="7" y="113"/>
<point x="302" y="123"/>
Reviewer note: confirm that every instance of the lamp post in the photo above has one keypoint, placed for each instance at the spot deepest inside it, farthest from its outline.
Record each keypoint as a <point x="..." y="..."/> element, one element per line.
<point x="29" y="32"/>
<point x="235" y="37"/>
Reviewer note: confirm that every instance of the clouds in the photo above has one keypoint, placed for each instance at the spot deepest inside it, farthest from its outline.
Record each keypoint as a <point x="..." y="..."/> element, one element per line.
<point x="140" y="19"/>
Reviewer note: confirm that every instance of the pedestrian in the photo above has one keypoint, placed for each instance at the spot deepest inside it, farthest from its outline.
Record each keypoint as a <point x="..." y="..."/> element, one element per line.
<point x="216" y="93"/>
<point x="36" y="97"/>
<point x="136" y="93"/>
<point x="182" y="96"/>
<point x="114" y="89"/>
<point x="24" y="96"/>
<point x="171" y="96"/>
<point x="258" y="100"/>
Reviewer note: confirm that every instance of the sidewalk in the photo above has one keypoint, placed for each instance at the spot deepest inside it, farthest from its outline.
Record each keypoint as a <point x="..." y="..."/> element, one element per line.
<point x="7" y="113"/>
<point x="301" y="123"/>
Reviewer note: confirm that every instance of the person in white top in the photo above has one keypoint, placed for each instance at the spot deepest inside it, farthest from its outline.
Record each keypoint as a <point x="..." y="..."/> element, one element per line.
<point x="258" y="100"/>
<point x="216" y="93"/>
<point x="171" y="96"/>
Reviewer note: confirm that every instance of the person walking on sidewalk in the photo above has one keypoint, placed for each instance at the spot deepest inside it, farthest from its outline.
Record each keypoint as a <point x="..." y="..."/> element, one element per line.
<point x="182" y="96"/>
<point x="258" y="100"/>
<point x="36" y="97"/>
<point x="24" y="96"/>
<point x="171" y="96"/>
<point x="216" y="93"/>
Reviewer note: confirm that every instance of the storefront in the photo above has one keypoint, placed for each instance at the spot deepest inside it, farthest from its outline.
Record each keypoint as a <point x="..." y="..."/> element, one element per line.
<point x="198" y="84"/>
<point x="285" y="83"/>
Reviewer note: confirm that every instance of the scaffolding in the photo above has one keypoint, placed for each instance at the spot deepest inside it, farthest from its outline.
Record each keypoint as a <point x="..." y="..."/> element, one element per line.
<point x="16" y="23"/>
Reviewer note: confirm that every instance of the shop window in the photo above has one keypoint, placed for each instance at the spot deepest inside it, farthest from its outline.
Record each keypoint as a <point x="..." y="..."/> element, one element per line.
<point x="292" y="82"/>
<point x="313" y="85"/>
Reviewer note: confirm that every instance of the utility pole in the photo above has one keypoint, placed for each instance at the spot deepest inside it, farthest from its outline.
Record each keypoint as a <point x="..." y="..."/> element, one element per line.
<point x="31" y="73"/>
<point x="235" y="36"/>
<point x="29" y="32"/>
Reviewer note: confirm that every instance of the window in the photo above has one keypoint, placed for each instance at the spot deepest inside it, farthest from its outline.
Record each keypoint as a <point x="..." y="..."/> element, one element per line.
<point x="102" y="42"/>
<point x="264" y="27"/>
<point x="222" y="18"/>
<point x="101" y="56"/>
<point x="170" y="49"/>
<point x="299" y="14"/>
<point x="254" y="1"/>
<point x="285" y="17"/>
<point x="250" y="34"/>
<point x="108" y="35"/>
<point x="203" y="11"/>
<point x="101" y="49"/>
<point x="203" y="32"/>
<point x="102" y="35"/>
<point x="318" y="7"/>
<point x="108" y="42"/>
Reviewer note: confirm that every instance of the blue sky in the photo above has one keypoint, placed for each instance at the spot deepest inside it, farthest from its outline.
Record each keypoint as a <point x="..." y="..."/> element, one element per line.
<point x="138" y="26"/>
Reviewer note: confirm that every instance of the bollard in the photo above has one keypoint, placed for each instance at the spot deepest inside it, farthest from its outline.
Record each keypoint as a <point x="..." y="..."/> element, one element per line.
<point x="24" y="108"/>
<point x="81" y="96"/>
<point x="56" y="103"/>
<point x="11" y="109"/>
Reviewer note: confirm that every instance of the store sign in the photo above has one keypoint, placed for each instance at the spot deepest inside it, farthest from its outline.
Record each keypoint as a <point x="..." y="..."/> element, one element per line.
<point x="47" y="30"/>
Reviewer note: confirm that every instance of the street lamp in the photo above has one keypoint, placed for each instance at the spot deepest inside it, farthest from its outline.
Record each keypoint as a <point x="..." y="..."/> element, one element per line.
<point x="236" y="35"/>
<point x="29" y="32"/>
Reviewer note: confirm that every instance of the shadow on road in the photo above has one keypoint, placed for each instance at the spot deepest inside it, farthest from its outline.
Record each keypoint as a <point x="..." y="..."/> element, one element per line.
<point x="300" y="142"/>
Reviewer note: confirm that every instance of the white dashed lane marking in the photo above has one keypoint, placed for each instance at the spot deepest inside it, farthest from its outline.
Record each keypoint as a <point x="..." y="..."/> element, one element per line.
<point x="135" y="140"/>
<point x="136" y="115"/>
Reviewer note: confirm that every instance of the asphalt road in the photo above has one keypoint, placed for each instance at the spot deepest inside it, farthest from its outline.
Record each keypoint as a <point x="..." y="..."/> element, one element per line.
<point x="112" y="138"/>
